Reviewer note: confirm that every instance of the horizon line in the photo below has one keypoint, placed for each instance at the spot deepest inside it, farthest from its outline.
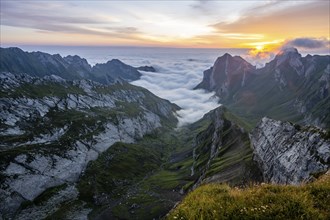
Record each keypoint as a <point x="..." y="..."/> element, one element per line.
<point x="7" y="45"/>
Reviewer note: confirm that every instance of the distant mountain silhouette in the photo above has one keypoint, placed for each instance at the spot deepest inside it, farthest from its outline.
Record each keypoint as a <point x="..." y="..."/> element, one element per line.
<point x="40" y="64"/>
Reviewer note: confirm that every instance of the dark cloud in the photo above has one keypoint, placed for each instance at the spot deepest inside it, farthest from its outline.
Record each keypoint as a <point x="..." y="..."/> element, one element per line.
<point x="203" y="6"/>
<point x="308" y="43"/>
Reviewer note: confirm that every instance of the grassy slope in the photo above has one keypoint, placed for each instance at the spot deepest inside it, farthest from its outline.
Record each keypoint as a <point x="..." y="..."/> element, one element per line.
<point x="218" y="201"/>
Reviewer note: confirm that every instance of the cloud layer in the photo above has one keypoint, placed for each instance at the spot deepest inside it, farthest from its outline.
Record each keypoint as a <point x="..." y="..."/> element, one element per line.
<point x="175" y="79"/>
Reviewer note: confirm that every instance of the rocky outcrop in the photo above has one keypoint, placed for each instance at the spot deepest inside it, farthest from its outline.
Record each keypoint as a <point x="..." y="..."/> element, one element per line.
<point x="50" y="128"/>
<point x="41" y="64"/>
<point x="289" y="154"/>
<point x="147" y="68"/>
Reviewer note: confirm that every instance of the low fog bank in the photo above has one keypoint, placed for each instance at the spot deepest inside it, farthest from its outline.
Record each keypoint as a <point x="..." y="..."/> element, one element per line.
<point x="176" y="83"/>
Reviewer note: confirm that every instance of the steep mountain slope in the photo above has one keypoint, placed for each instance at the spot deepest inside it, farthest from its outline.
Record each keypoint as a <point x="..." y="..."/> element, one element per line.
<point x="51" y="128"/>
<point x="40" y="64"/>
<point x="222" y="151"/>
<point x="290" y="87"/>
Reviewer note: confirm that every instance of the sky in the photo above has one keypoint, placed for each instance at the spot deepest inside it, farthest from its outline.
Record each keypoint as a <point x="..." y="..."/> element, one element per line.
<point x="178" y="23"/>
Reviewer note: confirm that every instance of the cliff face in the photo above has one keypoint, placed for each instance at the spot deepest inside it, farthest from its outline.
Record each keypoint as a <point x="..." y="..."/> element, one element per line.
<point x="289" y="154"/>
<point x="50" y="128"/>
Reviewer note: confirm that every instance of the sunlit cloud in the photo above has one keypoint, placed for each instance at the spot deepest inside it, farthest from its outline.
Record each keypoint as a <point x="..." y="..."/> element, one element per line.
<point x="242" y="36"/>
<point x="262" y="52"/>
<point x="285" y="19"/>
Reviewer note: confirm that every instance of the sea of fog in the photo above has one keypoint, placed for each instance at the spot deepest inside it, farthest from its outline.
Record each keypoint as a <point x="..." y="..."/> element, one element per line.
<point x="178" y="72"/>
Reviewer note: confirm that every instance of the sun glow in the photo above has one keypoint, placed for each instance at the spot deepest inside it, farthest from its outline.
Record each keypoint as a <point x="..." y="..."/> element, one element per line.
<point x="259" y="47"/>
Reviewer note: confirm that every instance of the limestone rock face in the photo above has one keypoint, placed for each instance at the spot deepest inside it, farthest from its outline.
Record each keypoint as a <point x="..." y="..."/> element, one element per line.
<point x="289" y="154"/>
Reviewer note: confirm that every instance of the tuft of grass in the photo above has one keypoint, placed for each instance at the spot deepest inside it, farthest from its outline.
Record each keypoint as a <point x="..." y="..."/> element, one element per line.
<point x="219" y="201"/>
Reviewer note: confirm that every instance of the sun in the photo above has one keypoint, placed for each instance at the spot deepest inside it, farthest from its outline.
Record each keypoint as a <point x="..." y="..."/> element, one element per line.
<point x="259" y="47"/>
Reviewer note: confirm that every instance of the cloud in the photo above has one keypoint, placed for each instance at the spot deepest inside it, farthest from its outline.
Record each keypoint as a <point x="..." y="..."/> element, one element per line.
<point x="283" y="18"/>
<point x="55" y="17"/>
<point x="175" y="81"/>
<point x="308" y="43"/>
<point x="203" y="6"/>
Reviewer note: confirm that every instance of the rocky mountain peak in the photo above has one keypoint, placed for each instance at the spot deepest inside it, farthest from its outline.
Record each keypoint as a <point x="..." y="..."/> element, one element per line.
<point x="227" y="73"/>
<point x="288" y="53"/>
<point x="289" y="57"/>
<point x="75" y="59"/>
<point x="226" y="55"/>
<point x="288" y="50"/>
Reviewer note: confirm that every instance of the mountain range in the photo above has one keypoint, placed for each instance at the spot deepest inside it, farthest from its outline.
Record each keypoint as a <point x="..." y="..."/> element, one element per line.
<point x="290" y="87"/>
<point x="40" y="64"/>
<point x="81" y="142"/>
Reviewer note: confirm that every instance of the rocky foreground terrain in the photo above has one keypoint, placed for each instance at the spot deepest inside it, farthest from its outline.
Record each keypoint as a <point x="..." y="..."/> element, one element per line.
<point x="78" y="147"/>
